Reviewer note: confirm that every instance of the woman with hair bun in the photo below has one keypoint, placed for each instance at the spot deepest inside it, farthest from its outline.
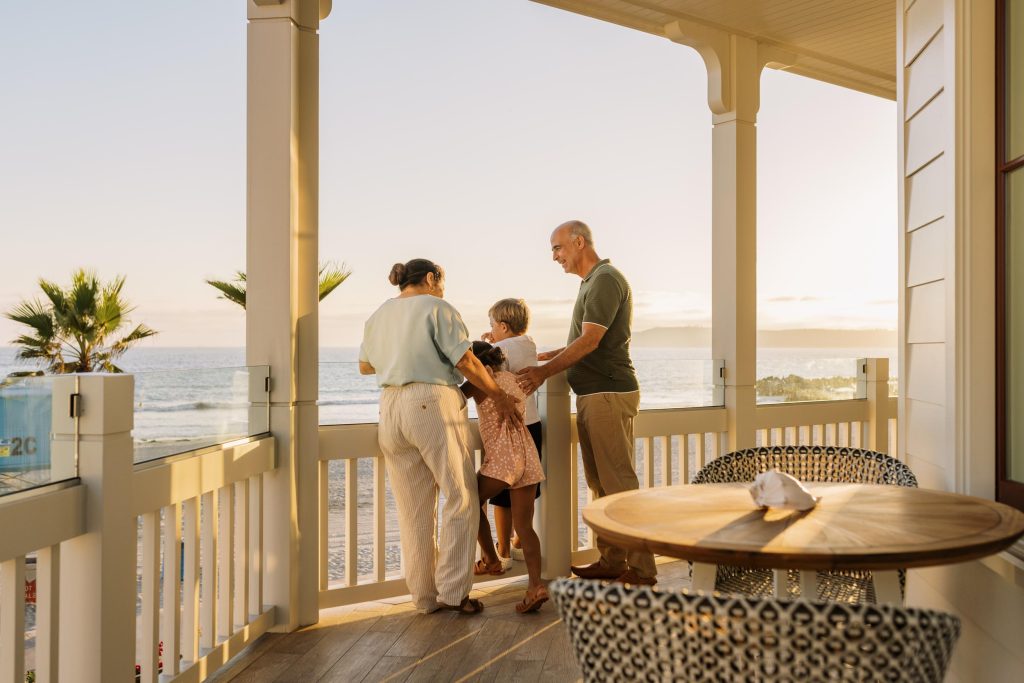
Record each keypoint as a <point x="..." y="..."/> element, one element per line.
<point x="420" y="350"/>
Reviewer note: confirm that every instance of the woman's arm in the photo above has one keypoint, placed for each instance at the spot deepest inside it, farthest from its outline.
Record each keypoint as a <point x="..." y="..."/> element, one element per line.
<point x="470" y="391"/>
<point x="477" y="374"/>
<point x="366" y="369"/>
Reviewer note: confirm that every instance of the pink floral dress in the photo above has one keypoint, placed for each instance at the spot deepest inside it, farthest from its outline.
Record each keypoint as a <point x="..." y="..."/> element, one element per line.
<point x="509" y="452"/>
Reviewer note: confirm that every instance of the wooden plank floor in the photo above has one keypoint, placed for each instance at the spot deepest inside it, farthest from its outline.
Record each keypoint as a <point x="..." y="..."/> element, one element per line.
<point x="388" y="641"/>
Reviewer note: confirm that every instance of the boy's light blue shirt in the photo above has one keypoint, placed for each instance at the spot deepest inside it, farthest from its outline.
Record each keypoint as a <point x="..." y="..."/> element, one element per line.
<point x="415" y="339"/>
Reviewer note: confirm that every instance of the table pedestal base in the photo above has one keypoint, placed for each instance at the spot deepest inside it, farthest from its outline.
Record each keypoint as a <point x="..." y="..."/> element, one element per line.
<point x="887" y="587"/>
<point x="704" y="577"/>
<point x="887" y="583"/>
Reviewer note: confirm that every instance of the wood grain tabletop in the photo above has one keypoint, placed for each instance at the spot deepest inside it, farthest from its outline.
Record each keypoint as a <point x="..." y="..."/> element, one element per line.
<point x="854" y="526"/>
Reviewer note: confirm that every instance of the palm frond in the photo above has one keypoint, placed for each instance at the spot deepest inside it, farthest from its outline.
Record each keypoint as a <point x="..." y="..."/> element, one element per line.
<point x="121" y="345"/>
<point x="232" y="291"/>
<point x="330" y="276"/>
<point x="33" y="314"/>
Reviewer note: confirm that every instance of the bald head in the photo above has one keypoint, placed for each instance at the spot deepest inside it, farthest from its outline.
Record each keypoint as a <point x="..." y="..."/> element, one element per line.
<point x="576" y="229"/>
<point x="572" y="247"/>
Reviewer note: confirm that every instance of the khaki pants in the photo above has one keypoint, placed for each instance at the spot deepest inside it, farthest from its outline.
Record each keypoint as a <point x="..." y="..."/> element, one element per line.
<point x="423" y="433"/>
<point x="605" y="426"/>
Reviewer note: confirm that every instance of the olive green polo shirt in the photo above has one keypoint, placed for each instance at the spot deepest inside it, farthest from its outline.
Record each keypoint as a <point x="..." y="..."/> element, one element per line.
<point x="605" y="299"/>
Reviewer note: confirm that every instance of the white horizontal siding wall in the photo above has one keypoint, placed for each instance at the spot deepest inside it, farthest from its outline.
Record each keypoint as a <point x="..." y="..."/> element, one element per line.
<point x="926" y="227"/>
<point x="946" y="424"/>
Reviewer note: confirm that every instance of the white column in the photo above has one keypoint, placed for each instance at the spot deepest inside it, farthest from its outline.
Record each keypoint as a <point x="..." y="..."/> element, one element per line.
<point x="97" y="596"/>
<point x="553" y="518"/>
<point x="281" y="263"/>
<point x="734" y="71"/>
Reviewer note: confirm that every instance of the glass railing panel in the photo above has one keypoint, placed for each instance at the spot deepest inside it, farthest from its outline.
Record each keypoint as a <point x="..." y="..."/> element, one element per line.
<point x="347" y="397"/>
<point x="793" y="375"/>
<point x="183" y="410"/>
<point x="29" y="454"/>
<point x="677" y="383"/>
<point x="791" y="379"/>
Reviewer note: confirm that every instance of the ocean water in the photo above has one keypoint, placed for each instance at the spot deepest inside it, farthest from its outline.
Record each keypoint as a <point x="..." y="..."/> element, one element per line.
<point x="188" y="397"/>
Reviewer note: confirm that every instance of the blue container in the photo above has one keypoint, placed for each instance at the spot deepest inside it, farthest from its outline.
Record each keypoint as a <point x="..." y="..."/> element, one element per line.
<point x="25" y="421"/>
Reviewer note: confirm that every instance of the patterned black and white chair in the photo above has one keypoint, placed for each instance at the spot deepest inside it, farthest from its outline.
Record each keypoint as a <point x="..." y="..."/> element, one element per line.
<point x="811" y="464"/>
<point x="635" y="633"/>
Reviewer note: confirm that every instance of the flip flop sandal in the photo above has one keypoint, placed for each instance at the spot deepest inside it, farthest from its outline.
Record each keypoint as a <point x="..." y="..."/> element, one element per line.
<point x="534" y="602"/>
<point x="467" y="606"/>
<point x="481" y="567"/>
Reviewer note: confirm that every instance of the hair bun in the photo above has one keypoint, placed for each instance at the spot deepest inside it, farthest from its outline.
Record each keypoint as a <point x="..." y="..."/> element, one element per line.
<point x="397" y="275"/>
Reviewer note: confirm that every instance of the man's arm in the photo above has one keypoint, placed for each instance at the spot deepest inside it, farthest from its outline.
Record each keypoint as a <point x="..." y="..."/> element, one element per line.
<point x="548" y="355"/>
<point x="366" y="369"/>
<point x="530" y="379"/>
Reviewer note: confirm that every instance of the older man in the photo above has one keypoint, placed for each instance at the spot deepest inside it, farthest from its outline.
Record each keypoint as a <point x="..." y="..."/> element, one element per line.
<point x="601" y="374"/>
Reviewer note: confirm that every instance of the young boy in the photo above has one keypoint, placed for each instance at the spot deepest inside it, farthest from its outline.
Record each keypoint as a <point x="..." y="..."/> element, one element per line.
<point x="510" y="319"/>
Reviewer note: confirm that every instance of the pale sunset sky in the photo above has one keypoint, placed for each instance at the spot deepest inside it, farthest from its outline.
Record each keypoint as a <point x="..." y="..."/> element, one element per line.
<point x="457" y="130"/>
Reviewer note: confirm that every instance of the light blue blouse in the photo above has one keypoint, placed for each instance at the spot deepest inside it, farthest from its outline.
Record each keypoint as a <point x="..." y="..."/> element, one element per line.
<point x="415" y="339"/>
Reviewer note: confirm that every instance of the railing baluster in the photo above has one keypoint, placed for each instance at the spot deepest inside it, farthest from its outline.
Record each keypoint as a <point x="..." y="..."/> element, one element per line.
<point x="190" y="582"/>
<point x="351" y="522"/>
<point x="325" y="502"/>
<point x="208" y="599"/>
<point x="47" y="614"/>
<point x="171" y="630"/>
<point x="665" y="442"/>
<point x="225" y="562"/>
<point x="379" y="525"/>
<point x="574" y="497"/>
<point x="702" y="453"/>
<point x="648" y="451"/>
<point x="241" y="553"/>
<point x="12" y="620"/>
<point x="149" y="644"/>
<point x="256" y="544"/>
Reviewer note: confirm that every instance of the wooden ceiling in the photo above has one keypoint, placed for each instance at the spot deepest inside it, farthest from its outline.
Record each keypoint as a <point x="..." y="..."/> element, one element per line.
<point x="851" y="43"/>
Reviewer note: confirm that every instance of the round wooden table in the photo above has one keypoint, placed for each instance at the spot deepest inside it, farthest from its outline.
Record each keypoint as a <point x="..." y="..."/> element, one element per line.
<point x="854" y="526"/>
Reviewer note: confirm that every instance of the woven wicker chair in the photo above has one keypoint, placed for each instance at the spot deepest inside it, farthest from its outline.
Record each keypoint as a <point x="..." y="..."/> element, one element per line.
<point x="623" y="633"/>
<point x="811" y="464"/>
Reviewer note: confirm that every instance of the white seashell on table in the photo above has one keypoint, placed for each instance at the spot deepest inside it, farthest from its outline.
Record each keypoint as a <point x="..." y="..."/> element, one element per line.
<point x="774" y="489"/>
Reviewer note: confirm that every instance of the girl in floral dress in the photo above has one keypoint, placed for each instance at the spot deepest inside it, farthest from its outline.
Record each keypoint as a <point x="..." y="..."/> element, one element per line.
<point x="510" y="461"/>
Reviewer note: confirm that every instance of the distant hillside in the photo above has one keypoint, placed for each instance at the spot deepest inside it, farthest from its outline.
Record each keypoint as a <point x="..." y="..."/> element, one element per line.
<point x="810" y="338"/>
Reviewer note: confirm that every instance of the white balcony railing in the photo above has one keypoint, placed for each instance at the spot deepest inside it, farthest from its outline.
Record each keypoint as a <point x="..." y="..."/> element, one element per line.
<point x="671" y="446"/>
<point x="170" y="555"/>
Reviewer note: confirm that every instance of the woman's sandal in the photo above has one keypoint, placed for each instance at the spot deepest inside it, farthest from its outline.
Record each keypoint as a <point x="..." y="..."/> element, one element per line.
<point x="482" y="567"/>
<point x="532" y="603"/>
<point x="467" y="606"/>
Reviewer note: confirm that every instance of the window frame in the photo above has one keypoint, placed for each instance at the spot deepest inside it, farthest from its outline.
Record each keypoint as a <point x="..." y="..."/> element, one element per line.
<point x="1007" y="490"/>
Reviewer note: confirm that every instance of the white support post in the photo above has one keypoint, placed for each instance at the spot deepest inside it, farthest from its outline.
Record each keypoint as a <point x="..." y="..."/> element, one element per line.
<point x="282" y="297"/>
<point x="734" y="71"/>
<point x="873" y="385"/>
<point x="97" y="614"/>
<point x="553" y="519"/>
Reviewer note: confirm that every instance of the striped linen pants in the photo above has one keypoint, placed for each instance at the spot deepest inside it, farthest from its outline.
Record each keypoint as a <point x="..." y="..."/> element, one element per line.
<point x="424" y="434"/>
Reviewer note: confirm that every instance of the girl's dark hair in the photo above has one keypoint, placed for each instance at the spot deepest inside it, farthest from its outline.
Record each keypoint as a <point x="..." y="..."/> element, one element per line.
<point x="414" y="272"/>
<point x="491" y="356"/>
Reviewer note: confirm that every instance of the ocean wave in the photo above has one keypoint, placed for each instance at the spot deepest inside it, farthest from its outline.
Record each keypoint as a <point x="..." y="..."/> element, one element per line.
<point x="144" y="407"/>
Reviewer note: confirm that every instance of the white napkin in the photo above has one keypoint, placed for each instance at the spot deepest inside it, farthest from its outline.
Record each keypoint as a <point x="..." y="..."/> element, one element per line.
<point x="776" y="489"/>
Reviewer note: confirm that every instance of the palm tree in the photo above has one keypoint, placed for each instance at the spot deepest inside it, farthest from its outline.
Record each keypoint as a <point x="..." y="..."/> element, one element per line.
<point x="74" y="329"/>
<point x="330" y="276"/>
